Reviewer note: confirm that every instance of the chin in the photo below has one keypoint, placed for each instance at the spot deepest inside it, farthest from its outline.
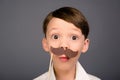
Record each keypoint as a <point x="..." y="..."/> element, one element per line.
<point x="63" y="65"/>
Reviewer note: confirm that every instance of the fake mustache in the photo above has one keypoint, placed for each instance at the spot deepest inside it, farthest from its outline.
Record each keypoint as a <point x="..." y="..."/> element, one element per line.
<point x="59" y="51"/>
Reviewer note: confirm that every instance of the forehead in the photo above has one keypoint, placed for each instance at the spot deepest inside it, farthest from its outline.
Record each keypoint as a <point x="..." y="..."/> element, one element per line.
<point x="59" y="24"/>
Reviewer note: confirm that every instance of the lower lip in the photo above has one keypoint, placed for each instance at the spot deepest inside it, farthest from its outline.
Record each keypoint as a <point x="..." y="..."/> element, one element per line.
<point x="64" y="59"/>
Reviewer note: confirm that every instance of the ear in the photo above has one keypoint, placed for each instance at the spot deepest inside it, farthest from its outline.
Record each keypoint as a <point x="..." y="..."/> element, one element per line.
<point x="85" y="45"/>
<point x="45" y="44"/>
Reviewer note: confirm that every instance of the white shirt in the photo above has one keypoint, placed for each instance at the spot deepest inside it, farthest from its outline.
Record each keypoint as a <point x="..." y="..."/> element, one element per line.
<point x="80" y="74"/>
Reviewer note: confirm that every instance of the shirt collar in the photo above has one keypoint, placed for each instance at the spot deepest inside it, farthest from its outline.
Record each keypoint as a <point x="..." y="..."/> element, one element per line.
<point x="80" y="73"/>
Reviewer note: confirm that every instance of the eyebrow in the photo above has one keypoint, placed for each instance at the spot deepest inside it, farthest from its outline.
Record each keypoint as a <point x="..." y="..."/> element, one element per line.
<point x="76" y="29"/>
<point x="52" y="29"/>
<point x="73" y="29"/>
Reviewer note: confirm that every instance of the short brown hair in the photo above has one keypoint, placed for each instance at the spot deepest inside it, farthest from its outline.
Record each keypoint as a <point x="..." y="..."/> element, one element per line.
<point x="71" y="15"/>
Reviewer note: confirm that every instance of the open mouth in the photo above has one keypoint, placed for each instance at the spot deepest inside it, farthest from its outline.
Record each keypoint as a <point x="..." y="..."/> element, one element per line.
<point x="64" y="59"/>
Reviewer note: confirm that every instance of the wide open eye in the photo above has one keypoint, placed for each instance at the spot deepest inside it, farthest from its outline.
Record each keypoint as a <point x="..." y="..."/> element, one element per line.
<point x="55" y="36"/>
<point x="74" y="37"/>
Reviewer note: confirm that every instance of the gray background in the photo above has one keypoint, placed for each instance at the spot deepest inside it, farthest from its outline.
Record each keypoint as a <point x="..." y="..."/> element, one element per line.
<point x="21" y="53"/>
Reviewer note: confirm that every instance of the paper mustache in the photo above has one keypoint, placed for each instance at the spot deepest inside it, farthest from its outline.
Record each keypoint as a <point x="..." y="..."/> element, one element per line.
<point x="59" y="51"/>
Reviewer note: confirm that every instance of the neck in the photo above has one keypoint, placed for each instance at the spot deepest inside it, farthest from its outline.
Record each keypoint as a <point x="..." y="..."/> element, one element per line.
<point x="65" y="74"/>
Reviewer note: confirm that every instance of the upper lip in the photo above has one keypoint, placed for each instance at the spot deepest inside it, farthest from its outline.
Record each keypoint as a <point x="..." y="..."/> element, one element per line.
<point x="64" y="57"/>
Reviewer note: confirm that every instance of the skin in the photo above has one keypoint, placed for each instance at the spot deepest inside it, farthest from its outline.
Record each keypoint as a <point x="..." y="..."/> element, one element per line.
<point x="64" y="34"/>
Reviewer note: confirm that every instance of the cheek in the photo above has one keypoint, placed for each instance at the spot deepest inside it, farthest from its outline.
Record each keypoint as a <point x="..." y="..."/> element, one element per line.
<point x="53" y="43"/>
<point x="77" y="46"/>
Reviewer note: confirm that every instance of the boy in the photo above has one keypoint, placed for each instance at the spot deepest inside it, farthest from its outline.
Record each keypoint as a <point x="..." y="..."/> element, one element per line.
<point x="66" y="31"/>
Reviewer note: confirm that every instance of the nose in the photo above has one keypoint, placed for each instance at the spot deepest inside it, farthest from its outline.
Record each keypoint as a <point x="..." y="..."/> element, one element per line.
<point x="64" y="44"/>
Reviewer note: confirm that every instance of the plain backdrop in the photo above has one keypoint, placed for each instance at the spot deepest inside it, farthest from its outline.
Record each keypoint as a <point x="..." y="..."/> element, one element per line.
<point x="21" y="54"/>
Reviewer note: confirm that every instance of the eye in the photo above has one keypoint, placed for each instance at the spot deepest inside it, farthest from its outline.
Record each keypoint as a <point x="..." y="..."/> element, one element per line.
<point x="74" y="37"/>
<point x="55" y="36"/>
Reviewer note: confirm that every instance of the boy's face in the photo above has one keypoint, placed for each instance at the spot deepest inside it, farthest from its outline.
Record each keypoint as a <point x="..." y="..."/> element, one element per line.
<point x="62" y="34"/>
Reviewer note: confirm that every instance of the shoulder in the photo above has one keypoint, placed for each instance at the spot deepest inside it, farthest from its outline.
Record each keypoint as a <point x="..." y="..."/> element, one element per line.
<point x="93" y="77"/>
<point x="42" y="77"/>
